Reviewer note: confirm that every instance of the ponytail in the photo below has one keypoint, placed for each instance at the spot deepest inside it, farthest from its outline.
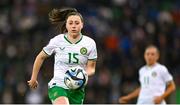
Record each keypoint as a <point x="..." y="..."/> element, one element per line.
<point x="58" y="17"/>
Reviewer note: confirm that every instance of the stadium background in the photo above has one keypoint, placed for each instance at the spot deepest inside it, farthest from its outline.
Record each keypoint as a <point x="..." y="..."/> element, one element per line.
<point x="121" y="29"/>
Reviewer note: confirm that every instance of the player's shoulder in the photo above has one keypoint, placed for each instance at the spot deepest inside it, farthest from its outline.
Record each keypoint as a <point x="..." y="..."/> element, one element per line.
<point x="57" y="37"/>
<point x="88" y="39"/>
<point x="161" y="67"/>
<point x="142" y="68"/>
<point x="158" y="65"/>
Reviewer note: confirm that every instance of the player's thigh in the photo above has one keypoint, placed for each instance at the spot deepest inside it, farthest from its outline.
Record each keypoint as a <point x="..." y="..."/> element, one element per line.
<point x="76" y="96"/>
<point x="56" y="92"/>
<point x="61" y="100"/>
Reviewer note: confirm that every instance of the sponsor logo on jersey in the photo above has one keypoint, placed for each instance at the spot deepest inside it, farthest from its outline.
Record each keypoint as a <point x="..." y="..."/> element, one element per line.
<point x="62" y="48"/>
<point x="154" y="74"/>
<point x="83" y="50"/>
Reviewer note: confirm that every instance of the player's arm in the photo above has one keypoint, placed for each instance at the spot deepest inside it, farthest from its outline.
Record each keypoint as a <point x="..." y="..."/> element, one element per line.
<point x="130" y="96"/>
<point x="91" y="65"/>
<point x="170" y="88"/>
<point x="36" y="67"/>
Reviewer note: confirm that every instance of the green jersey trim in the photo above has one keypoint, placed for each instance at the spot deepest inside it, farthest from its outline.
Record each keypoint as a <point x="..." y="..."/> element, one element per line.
<point x="65" y="37"/>
<point x="79" y="39"/>
<point x="45" y="52"/>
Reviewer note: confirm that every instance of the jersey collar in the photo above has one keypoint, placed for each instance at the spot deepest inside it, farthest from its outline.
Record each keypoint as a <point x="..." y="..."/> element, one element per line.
<point x="152" y="66"/>
<point x="66" y="38"/>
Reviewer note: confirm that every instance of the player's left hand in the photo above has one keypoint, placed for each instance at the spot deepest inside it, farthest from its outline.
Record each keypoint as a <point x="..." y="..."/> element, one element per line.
<point x="158" y="99"/>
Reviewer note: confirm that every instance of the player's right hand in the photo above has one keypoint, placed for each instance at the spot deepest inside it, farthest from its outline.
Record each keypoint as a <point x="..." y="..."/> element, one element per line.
<point x="123" y="100"/>
<point x="32" y="84"/>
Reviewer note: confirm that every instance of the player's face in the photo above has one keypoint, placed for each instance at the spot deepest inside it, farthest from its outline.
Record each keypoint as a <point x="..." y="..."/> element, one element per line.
<point x="151" y="56"/>
<point x="74" y="25"/>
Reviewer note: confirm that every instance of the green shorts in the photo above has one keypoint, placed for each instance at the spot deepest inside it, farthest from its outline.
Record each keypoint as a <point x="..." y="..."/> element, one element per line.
<point x="74" y="96"/>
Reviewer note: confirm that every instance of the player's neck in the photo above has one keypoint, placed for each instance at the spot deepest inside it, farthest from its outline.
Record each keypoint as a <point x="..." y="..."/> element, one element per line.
<point x="74" y="38"/>
<point x="152" y="65"/>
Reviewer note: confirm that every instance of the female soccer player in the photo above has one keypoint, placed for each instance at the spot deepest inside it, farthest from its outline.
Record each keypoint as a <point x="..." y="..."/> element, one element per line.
<point x="155" y="80"/>
<point x="70" y="48"/>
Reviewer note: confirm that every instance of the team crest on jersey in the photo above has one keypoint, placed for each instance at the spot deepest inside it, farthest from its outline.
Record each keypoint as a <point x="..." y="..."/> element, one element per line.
<point x="55" y="94"/>
<point x="83" y="50"/>
<point x="154" y="74"/>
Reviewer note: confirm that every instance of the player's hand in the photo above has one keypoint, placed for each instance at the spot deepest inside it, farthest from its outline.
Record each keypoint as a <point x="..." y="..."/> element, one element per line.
<point x="123" y="100"/>
<point x="158" y="99"/>
<point x="32" y="84"/>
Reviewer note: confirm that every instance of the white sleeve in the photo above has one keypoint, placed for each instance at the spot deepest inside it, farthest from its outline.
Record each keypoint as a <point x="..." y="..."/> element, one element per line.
<point x="93" y="52"/>
<point x="50" y="47"/>
<point x="139" y="74"/>
<point x="166" y="75"/>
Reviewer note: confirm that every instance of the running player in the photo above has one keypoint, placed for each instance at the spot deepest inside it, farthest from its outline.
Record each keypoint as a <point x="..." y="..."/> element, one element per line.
<point x="156" y="83"/>
<point x="70" y="48"/>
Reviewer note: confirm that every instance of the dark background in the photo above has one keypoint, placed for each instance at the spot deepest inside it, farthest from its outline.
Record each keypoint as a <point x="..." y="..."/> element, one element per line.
<point x="121" y="28"/>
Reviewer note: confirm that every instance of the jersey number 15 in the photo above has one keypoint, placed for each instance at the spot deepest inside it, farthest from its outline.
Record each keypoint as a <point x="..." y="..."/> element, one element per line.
<point x="73" y="58"/>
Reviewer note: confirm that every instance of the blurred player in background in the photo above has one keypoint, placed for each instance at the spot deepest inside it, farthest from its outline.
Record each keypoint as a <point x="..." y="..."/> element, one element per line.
<point x="156" y="83"/>
<point x="70" y="48"/>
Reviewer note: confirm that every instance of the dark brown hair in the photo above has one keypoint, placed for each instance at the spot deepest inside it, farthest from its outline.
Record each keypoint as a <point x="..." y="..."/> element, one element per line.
<point x="59" y="16"/>
<point x="153" y="46"/>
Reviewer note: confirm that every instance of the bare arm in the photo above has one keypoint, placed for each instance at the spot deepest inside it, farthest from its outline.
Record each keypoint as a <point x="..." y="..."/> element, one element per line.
<point x="36" y="67"/>
<point x="170" y="88"/>
<point x="91" y="65"/>
<point x="130" y="96"/>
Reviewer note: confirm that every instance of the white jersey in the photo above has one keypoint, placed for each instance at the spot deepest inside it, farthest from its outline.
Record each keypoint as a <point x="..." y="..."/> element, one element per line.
<point x="68" y="55"/>
<point x="153" y="82"/>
